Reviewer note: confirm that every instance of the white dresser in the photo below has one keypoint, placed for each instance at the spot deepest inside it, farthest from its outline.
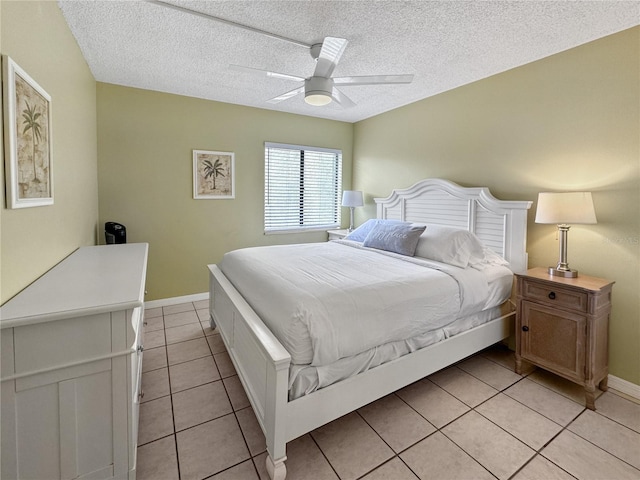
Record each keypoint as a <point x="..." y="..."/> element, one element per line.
<point x="71" y="368"/>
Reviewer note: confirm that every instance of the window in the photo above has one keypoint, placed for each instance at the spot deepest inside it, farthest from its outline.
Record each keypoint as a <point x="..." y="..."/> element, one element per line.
<point x="302" y="187"/>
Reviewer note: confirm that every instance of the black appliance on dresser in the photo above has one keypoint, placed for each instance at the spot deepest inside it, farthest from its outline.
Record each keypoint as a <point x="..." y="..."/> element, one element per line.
<point x="115" y="233"/>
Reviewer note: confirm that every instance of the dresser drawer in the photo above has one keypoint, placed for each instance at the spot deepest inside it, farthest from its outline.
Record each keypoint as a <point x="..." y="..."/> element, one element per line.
<point x="555" y="296"/>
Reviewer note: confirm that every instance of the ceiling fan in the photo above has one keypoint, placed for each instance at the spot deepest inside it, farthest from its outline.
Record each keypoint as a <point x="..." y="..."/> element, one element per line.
<point x="320" y="88"/>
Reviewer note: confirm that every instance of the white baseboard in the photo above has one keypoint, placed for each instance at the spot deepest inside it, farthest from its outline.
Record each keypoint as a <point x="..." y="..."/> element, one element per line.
<point x="165" y="302"/>
<point x="625" y="387"/>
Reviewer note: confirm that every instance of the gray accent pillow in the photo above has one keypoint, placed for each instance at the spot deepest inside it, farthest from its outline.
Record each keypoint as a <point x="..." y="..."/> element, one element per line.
<point x="398" y="238"/>
<point x="360" y="233"/>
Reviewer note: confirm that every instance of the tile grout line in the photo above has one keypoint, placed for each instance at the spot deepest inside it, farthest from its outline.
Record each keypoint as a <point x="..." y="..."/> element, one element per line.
<point x="537" y="452"/>
<point x="594" y="444"/>
<point x="170" y="395"/>
<point x="233" y="412"/>
<point x="322" y="453"/>
<point x="395" y="454"/>
<point x="473" y="408"/>
<point x="173" y="417"/>
<point x="616" y="421"/>
<point x="175" y="433"/>
<point x="437" y="429"/>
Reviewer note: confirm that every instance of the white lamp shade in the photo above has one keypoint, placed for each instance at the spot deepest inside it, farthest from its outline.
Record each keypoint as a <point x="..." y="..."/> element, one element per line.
<point x="352" y="198"/>
<point x="565" y="208"/>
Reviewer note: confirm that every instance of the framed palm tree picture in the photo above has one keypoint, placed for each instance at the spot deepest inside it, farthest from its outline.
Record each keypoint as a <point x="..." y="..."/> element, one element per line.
<point x="213" y="175"/>
<point x="28" y="156"/>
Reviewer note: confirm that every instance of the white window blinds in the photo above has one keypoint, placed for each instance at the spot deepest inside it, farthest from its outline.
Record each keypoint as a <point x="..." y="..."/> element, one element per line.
<point x="302" y="187"/>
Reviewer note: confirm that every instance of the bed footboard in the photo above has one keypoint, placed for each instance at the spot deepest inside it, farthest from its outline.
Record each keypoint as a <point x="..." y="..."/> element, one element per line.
<point x="260" y="360"/>
<point x="262" y="364"/>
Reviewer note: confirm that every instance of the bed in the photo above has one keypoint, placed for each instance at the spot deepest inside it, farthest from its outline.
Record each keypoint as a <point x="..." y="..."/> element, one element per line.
<point x="268" y="370"/>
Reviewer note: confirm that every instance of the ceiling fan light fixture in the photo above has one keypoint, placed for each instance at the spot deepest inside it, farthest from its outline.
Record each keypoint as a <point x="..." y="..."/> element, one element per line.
<point x="317" y="99"/>
<point x="317" y="91"/>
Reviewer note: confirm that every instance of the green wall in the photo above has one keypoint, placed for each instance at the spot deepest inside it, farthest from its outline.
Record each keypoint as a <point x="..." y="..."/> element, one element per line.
<point x="567" y="122"/>
<point x="145" y="145"/>
<point x="36" y="36"/>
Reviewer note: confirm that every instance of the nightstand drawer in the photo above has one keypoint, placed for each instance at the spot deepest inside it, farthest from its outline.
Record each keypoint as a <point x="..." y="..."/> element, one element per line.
<point x="555" y="296"/>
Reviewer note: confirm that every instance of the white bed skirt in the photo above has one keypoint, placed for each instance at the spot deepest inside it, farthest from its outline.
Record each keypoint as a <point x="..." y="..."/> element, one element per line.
<point x="305" y="379"/>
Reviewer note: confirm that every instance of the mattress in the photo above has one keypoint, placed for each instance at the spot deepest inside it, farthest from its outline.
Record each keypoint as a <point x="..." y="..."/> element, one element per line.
<point x="335" y="300"/>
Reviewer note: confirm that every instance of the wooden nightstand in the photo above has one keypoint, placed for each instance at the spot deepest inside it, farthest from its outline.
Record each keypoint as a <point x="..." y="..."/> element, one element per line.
<point x="562" y="325"/>
<point x="338" y="234"/>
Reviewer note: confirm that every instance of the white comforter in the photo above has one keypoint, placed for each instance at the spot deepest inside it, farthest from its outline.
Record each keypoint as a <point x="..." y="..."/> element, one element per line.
<point x="326" y="301"/>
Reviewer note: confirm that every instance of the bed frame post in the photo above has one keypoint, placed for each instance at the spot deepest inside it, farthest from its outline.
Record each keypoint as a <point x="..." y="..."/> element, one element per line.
<point x="276" y="470"/>
<point x="261" y="362"/>
<point x="276" y="424"/>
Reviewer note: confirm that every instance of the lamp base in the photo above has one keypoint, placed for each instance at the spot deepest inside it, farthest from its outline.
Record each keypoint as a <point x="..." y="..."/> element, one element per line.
<point x="562" y="273"/>
<point x="351" y="228"/>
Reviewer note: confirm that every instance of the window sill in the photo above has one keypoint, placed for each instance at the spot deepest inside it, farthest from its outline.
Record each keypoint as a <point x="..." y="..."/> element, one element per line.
<point x="289" y="231"/>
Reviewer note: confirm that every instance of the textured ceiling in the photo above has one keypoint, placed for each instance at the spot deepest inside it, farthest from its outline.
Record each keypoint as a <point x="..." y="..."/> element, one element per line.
<point x="445" y="44"/>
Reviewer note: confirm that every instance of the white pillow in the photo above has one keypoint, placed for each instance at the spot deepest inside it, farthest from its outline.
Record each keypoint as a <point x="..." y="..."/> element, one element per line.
<point x="449" y="245"/>
<point x="490" y="259"/>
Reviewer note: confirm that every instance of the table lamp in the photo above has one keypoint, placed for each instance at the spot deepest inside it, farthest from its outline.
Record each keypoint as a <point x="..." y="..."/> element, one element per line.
<point x="352" y="199"/>
<point x="564" y="209"/>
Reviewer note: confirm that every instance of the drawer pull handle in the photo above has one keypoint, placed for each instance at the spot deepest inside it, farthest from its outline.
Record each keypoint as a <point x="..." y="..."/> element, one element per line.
<point x="552" y="295"/>
<point x="525" y="328"/>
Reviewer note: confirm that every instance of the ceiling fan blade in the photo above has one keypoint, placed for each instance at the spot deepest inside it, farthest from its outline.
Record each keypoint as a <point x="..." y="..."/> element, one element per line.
<point x="330" y="53"/>
<point x="287" y="96"/>
<point x="341" y="99"/>
<point x="266" y="73"/>
<point x="373" y="80"/>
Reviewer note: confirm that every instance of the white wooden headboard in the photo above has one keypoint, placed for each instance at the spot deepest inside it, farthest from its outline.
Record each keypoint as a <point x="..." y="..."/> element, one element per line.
<point x="500" y="224"/>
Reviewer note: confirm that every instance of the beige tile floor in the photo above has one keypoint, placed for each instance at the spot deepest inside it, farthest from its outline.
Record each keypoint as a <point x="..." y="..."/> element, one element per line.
<point x="474" y="420"/>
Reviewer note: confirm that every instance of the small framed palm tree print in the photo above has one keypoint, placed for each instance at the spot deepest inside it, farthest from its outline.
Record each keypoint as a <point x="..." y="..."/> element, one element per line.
<point x="213" y="175"/>
<point x="28" y="156"/>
